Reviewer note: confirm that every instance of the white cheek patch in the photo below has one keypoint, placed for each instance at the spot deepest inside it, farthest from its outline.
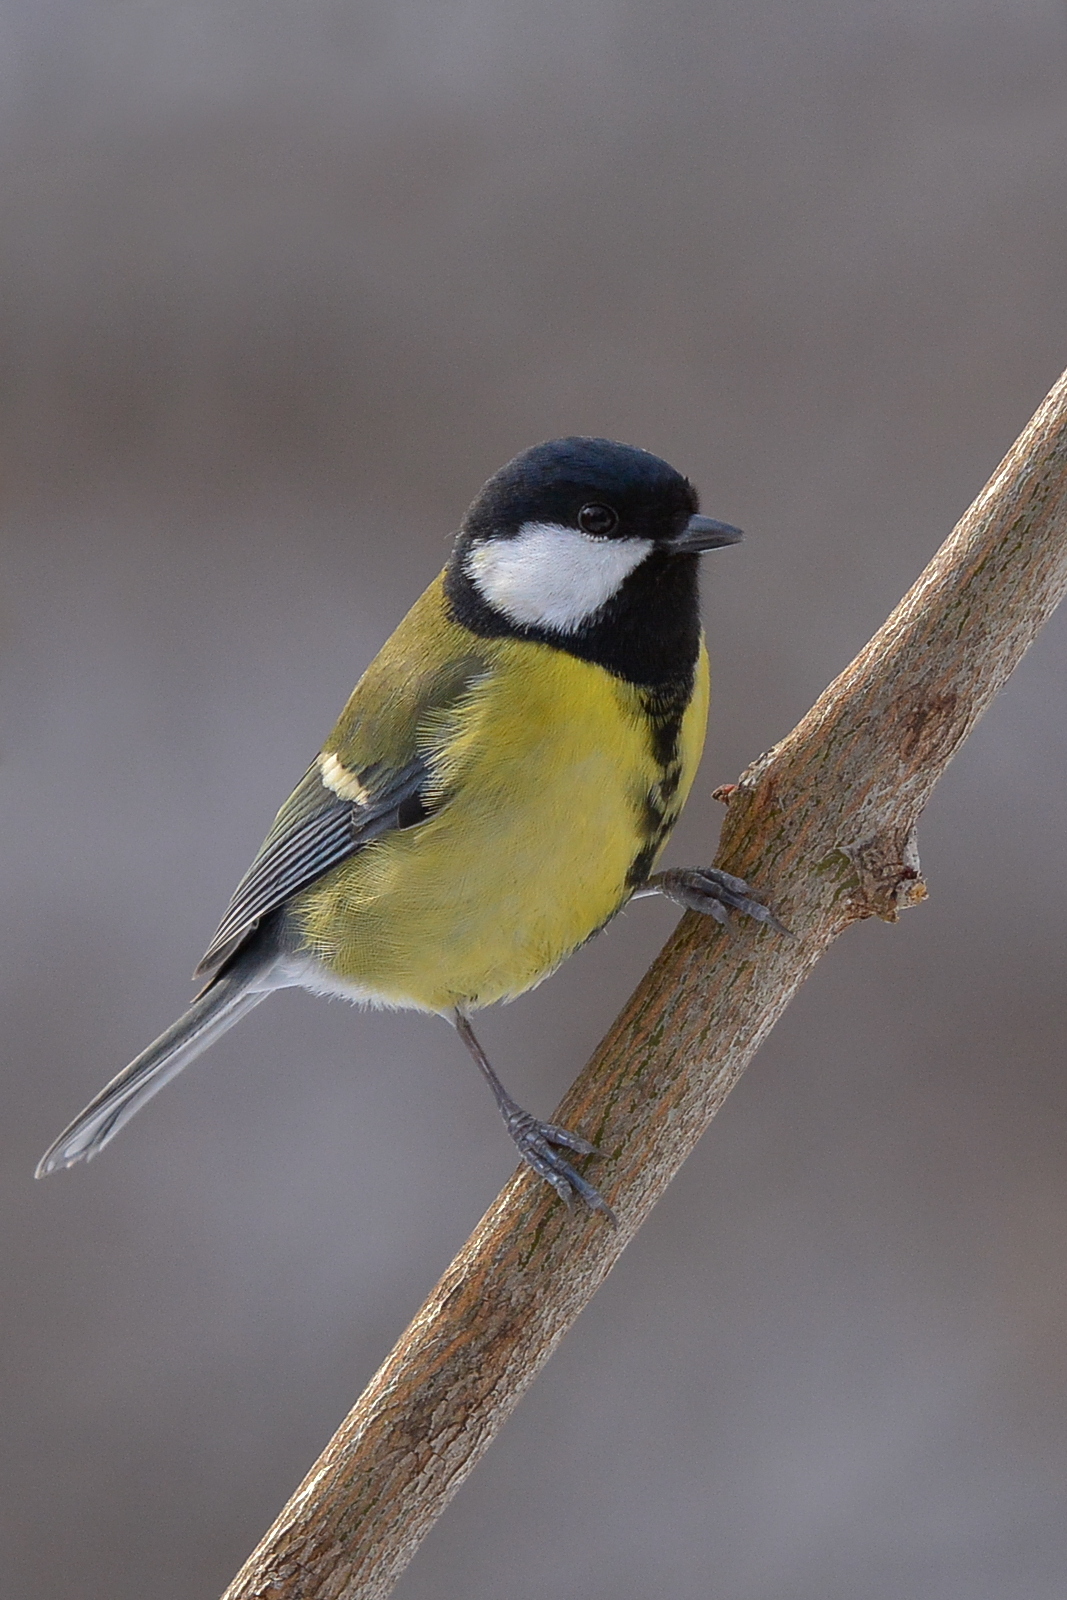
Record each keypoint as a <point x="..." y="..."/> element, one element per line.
<point x="549" y="576"/>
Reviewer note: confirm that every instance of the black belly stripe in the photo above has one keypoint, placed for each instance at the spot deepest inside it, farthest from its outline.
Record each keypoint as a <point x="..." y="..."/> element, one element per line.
<point x="665" y="708"/>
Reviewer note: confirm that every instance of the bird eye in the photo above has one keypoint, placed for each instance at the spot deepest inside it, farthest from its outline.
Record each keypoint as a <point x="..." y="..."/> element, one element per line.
<point x="598" y="520"/>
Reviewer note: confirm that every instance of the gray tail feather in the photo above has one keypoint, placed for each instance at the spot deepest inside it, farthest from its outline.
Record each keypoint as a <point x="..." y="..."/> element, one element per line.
<point x="209" y="1016"/>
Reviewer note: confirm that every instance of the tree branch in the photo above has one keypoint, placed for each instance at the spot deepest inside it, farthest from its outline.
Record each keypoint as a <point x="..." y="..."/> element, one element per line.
<point x="825" y="822"/>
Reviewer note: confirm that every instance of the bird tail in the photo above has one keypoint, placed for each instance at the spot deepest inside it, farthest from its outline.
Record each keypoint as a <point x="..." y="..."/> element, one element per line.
<point x="209" y="1016"/>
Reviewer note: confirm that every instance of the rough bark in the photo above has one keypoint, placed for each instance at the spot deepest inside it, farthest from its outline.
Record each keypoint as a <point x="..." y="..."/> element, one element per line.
<point x="825" y="822"/>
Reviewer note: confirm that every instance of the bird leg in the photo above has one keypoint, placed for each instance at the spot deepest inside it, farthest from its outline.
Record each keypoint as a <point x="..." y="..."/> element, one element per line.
<point x="537" y="1142"/>
<point x="712" y="893"/>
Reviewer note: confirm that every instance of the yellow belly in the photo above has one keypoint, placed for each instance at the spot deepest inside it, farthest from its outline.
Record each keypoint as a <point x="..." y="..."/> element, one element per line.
<point x="547" y="768"/>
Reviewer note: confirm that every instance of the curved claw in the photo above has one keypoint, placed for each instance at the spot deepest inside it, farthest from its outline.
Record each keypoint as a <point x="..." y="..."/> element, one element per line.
<point x="569" y="1141"/>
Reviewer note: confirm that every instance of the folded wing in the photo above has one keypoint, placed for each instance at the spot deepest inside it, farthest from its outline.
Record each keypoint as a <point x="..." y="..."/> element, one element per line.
<point x="315" y="830"/>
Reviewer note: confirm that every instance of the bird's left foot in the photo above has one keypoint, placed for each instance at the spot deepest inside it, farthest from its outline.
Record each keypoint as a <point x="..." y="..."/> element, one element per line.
<point x="714" y="894"/>
<point x="539" y="1145"/>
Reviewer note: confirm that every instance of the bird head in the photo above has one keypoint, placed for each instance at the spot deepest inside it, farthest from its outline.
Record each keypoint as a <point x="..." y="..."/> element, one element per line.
<point x="556" y="535"/>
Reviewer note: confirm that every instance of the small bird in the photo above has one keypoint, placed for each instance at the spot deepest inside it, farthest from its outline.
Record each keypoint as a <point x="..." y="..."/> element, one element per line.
<point x="499" y="785"/>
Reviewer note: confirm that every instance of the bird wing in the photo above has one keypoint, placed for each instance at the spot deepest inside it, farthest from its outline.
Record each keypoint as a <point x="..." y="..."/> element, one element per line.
<point x="376" y="771"/>
<point x="315" y="830"/>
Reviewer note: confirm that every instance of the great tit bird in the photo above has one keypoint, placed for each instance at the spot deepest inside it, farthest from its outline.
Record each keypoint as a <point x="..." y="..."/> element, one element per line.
<point x="501" y="782"/>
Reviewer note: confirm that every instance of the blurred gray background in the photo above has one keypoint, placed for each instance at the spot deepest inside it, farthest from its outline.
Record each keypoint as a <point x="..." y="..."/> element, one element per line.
<point x="282" y="283"/>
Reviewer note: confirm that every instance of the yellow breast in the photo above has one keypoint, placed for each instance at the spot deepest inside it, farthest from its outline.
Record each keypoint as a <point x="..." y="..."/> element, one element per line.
<point x="552" y="788"/>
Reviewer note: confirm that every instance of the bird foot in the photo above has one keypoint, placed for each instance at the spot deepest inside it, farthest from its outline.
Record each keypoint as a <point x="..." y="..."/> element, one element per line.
<point x="714" y="894"/>
<point x="539" y="1143"/>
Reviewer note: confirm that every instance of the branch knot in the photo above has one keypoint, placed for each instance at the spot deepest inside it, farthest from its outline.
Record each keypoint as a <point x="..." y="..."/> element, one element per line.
<point x="888" y="878"/>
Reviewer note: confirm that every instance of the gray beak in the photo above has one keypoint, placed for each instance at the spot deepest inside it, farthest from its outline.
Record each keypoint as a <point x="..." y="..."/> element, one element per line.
<point x="702" y="533"/>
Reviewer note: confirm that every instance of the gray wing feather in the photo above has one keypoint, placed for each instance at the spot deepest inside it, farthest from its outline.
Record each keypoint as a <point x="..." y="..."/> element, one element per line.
<point x="314" y="831"/>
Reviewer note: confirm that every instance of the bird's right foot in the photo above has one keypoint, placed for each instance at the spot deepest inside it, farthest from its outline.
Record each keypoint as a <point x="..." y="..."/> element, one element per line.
<point x="713" y="893"/>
